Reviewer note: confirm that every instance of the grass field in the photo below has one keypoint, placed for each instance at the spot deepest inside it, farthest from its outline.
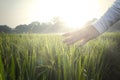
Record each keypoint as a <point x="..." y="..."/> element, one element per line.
<point x="45" y="57"/>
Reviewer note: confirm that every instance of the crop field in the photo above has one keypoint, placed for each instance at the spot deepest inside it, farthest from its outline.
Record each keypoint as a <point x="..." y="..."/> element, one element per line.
<point x="46" y="57"/>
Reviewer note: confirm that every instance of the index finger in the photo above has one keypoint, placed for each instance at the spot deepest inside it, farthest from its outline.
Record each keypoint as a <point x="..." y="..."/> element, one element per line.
<point x="67" y="34"/>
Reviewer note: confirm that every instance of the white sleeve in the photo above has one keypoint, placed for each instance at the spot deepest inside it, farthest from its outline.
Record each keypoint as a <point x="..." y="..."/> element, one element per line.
<point x="109" y="18"/>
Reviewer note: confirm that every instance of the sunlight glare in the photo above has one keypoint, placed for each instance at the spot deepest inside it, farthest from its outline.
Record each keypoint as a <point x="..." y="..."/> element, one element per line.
<point x="74" y="12"/>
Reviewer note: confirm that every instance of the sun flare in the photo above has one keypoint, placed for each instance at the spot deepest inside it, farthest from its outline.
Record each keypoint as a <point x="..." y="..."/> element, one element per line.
<point x="74" y="12"/>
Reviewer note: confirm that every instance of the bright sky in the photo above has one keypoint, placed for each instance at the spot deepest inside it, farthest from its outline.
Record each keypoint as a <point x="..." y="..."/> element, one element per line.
<point x="73" y="12"/>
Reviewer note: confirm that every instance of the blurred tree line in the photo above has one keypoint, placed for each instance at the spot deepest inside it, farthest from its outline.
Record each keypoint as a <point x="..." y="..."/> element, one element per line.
<point x="5" y="29"/>
<point x="54" y="26"/>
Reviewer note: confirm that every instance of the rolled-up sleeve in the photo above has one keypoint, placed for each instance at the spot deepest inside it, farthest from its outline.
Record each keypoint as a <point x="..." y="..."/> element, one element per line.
<point x="109" y="18"/>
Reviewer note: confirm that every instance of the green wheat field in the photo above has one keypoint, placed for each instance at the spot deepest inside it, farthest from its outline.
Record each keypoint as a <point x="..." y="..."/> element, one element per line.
<point x="46" y="57"/>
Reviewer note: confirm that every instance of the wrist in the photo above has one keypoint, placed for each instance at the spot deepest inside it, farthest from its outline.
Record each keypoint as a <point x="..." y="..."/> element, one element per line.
<point x="93" y="31"/>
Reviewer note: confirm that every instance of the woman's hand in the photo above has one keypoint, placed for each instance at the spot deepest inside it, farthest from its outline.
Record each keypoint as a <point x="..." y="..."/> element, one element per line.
<point x="83" y="35"/>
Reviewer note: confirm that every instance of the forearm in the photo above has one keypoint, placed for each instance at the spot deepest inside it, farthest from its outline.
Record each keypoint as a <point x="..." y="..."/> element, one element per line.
<point x="109" y="18"/>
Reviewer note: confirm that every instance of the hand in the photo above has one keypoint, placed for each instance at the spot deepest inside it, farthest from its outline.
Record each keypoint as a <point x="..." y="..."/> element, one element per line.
<point x="83" y="35"/>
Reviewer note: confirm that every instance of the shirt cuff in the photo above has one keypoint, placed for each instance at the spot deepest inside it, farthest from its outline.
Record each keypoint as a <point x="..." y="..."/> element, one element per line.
<point x="98" y="27"/>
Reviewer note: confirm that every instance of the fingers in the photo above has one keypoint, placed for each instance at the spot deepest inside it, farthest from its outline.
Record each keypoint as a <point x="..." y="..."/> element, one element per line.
<point x="83" y="42"/>
<point x="70" y="33"/>
<point x="73" y="39"/>
<point x="67" y="34"/>
<point x="70" y="41"/>
<point x="83" y="39"/>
